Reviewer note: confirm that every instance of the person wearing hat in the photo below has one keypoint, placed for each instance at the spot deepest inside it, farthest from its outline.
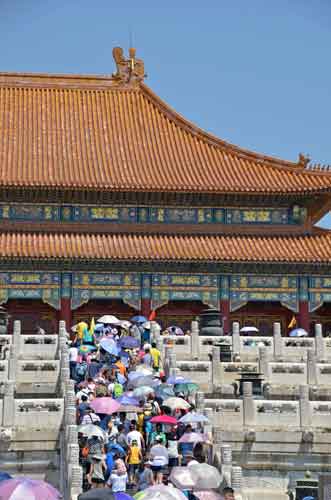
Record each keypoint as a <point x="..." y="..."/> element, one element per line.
<point x="97" y="470"/>
<point x="146" y="477"/>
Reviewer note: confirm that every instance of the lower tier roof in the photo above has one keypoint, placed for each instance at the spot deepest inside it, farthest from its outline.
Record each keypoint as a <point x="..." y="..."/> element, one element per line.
<point x="314" y="248"/>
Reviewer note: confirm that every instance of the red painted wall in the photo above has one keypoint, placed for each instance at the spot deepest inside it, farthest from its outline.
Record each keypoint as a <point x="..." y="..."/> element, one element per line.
<point x="32" y="313"/>
<point x="97" y="308"/>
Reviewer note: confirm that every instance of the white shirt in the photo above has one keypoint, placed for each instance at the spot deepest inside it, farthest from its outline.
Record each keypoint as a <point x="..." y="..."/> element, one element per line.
<point x="134" y="436"/>
<point x="118" y="483"/>
<point x="73" y="354"/>
<point x="192" y="462"/>
<point x="90" y="418"/>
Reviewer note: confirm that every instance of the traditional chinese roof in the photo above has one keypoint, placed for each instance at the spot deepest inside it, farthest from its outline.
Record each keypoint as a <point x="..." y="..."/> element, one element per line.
<point x="314" y="248"/>
<point x="103" y="133"/>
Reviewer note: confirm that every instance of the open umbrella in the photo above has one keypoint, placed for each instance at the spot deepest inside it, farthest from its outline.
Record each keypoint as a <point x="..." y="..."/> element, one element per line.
<point x="192" y="437"/>
<point x="109" y="345"/>
<point x="163" y="419"/>
<point x="207" y="495"/>
<point x="125" y="324"/>
<point x="85" y="349"/>
<point x="32" y="489"/>
<point x="128" y="342"/>
<point x="108" y="319"/>
<point x="177" y="380"/>
<point x="175" y="330"/>
<point x="143" y="391"/>
<point x="4" y="476"/>
<point x="105" y="405"/>
<point x="138" y="319"/>
<point x="249" y="329"/>
<point x="142" y="369"/>
<point x="160" y="492"/>
<point x="194" y="418"/>
<point x="207" y="477"/>
<point x="164" y="391"/>
<point x="186" y="387"/>
<point x="298" y="332"/>
<point x="126" y="400"/>
<point x="130" y="409"/>
<point x="142" y="380"/>
<point x="90" y="430"/>
<point x="103" y="494"/>
<point x="176" y="404"/>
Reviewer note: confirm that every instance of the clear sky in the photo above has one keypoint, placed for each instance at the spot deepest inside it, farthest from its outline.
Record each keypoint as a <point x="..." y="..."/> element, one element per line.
<point x="254" y="72"/>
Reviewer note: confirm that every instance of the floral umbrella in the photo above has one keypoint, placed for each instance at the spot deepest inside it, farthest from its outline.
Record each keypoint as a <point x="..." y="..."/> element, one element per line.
<point x="160" y="492"/>
<point x="30" y="489"/>
<point x="192" y="437"/>
<point x="176" y="404"/>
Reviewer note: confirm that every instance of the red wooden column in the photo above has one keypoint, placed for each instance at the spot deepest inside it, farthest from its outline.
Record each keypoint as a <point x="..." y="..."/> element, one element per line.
<point x="146" y="295"/>
<point x="304" y="317"/>
<point x="66" y="289"/>
<point x="224" y="294"/>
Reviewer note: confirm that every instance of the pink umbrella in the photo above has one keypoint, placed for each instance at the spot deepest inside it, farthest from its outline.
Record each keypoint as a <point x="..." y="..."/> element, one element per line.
<point x="208" y="495"/>
<point x="163" y="419"/>
<point x="192" y="437"/>
<point x="23" y="487"/>
<point x="105" y="405"/>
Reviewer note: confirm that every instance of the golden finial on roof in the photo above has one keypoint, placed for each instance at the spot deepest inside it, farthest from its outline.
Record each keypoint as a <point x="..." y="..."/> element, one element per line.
<point x="303" y="160"/>
<point x="128" y="70"/>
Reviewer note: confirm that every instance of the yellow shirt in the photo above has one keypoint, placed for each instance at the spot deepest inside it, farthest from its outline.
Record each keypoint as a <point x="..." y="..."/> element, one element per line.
<point x="155" y="353"/>
<point x="134" y="455"/>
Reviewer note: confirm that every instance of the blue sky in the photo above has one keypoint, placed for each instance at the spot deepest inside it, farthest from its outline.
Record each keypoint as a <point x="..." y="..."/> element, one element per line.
<point x="256" y="73"/>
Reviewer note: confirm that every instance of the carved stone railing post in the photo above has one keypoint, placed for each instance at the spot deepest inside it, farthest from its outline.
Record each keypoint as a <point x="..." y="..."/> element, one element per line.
<point x="248" y="404"/>
<point x="9" y="404"/>
<point x="200" y="401"/>
<point x="172" y="364"/>
<point x="12" y="362"/>
<point x="319" y="343"/>
<point x="264" y="363"/>
<point x="216" y="368"/>
<point x="62" y="336"/>
<point x="236" y="343"/>
<point x="226" y="457"/>
<point x="16" y="341"/>
<point x="278" y="341"/>
<point x="195" y="341"/>
<point x="304" y="406"/>
<point x="311" y="368"/>
<point x="217" y="441"/>
<point x="76" y="483"/>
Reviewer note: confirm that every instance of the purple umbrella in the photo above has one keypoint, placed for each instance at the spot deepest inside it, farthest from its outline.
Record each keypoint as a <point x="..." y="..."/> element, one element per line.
<point x="128" y="342"/>
<point x="23" y="487"/>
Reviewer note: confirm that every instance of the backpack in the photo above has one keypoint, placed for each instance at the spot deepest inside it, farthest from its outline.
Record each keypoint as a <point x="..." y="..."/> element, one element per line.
<point x="85" y="451"/>
<point x="81" y="369"/>
<point x="118" y="390"/>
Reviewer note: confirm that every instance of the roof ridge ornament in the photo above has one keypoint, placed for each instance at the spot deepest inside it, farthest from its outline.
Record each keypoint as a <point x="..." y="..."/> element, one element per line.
<point x="303" y="160"/>
<point x="129" y="71"/>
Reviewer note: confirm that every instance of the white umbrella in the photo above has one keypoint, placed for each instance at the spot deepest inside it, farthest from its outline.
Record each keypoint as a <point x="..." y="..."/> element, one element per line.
<point x="125" y="324"/>
<point x="249" y="329"/>
<point x="176" y="404"/>
<point x="298" y="332"/>
<point x="108" y="319"/>
<point x="90" y="430"/>
<point x="194" y="418"/>
<point x="196" y="476"/>
<point x="160" y="492"/>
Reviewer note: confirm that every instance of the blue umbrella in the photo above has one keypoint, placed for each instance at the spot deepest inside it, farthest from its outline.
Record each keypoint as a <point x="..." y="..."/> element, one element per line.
<point x="129" y="342"/>
<point x="138" y="319"/>
<point x="164" y="391"/>
<point x="114" y="447"/>
<point x="128" y="400"/>
<point x="109" y="346"/>
<point x="298" y="332"/>
<point x="4" y="476"/>
<point x="177" y="380"/>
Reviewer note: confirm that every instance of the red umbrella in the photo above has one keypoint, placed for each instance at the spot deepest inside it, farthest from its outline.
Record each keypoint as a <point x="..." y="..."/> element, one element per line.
<point x="164" y="419"/>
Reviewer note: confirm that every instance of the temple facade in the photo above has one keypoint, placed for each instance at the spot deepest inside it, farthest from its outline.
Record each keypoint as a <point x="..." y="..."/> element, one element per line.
<point x="112" y="202"/>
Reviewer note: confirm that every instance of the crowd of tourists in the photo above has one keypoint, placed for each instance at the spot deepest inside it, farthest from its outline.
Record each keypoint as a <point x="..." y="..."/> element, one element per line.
<point x="139" y="430"/>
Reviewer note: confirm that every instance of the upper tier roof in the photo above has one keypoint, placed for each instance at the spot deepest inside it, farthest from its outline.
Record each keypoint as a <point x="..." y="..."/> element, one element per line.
<point x="103" y="133"/>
